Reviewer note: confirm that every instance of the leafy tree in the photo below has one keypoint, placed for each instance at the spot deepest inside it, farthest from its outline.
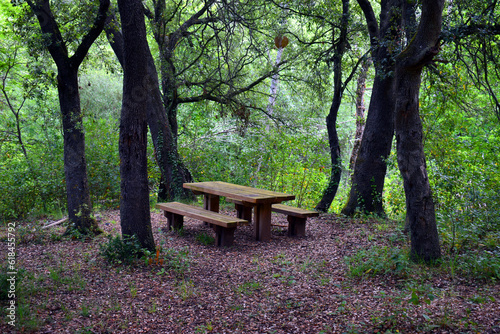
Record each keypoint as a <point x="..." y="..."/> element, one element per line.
<point x="200" y="79"/>
<point x="204" y="55"/>
<point x="135" y="217"/>
<point x="78" y="198"/>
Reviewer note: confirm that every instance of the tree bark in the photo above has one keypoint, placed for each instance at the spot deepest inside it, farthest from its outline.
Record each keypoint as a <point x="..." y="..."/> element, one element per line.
<point x="331" y="120"/>
<point x="360" y="111"/>
<point x="411" y="158"/>
<point x="370" y="166"/>
<point x="75" y="166"/>
<point x="135" y="214"/>
<point x="174" y="172"/>
<point x="172" y="169"/>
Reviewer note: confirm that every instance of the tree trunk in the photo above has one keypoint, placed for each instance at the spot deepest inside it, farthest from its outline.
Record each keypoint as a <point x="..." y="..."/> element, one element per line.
<point x="135" y="214"/>
<point x="370" y="166"/>
<point x="172" y="169"/>
<point x="174" y="172"/>
<point x="411" y="159"/>
<point x="360" y="112"/>
<point x="75" y="166"/>
<point x="331" y="120"/>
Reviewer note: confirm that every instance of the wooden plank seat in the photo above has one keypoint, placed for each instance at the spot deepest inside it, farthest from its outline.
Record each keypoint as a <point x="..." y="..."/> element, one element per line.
<point x="296" y="217"/>
<point x="223" y="225"/>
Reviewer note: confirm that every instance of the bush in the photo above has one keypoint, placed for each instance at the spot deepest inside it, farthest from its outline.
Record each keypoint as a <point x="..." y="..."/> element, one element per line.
<point x="120" y="250"/>
<point x="378" y="261"/>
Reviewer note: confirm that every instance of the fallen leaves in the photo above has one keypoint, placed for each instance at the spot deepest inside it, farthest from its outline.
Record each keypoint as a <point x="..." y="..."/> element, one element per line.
<point x="286" y="285"/>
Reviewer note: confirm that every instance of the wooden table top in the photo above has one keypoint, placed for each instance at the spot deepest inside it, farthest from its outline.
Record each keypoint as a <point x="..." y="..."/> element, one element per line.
<point x="246" y="194"/>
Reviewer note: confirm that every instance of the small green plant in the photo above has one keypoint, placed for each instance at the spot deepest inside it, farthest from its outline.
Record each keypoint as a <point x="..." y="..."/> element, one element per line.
<point x="85" y="311"/>
<point x="153" y="307"/>
<point x="122" y="250"/>
<point x="133" y="290"/>
<point x="186" y="289"/>
<point x="177" y="261"/>
<point x="205" y="239"/>
<point x="249" y="287"/>
<point x="208" y="327"/>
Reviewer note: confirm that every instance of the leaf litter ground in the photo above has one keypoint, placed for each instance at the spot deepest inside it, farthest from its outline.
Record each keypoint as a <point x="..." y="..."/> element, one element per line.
<point x="287" y="285"/>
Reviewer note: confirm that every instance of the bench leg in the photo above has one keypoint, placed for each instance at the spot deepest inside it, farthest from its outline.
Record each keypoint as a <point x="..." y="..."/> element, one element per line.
<point x="224" y="236"/>
<point x="296" y="226"/>
<point x="174" y="221"/>
<point x="244" y="212"/>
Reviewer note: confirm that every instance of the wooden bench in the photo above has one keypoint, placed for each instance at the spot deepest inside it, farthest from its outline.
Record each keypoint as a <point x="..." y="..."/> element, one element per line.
<point x="223" y="225"/>
<point x="296" y="217"/>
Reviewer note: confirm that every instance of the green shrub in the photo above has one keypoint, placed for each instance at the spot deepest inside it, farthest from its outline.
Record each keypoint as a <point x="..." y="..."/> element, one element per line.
<point x="483" y="265"/>
<point x="120" y="250"/>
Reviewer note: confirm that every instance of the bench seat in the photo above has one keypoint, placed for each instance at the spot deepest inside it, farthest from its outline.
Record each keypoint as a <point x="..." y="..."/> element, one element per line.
<point x="224" y="226"/>
<point x="296" y="217"/>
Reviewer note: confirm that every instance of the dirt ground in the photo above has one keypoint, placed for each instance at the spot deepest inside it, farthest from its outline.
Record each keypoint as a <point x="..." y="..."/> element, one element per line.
<point x="287" y="285"/>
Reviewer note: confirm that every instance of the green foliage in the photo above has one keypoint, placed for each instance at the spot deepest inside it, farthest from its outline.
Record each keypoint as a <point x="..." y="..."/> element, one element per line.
<point x="378" y="260"/>
<point x="279" y="160"/>
<point x="178" y="261"/>
<point x="120" y="250"/>
<point x="477" y="264"/>
<point x="205" y="239"/>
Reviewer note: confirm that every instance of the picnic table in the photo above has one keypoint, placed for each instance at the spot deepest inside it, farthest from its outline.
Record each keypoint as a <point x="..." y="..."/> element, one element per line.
<point x="261" y="199"/>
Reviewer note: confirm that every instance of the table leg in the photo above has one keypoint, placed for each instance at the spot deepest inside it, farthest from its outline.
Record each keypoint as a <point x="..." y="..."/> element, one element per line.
<point x="263" y="222"/>
<point x="210" y="202"/>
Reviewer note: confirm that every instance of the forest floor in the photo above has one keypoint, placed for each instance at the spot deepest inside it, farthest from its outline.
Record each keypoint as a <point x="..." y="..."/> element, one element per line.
<point x="287" y="285"/>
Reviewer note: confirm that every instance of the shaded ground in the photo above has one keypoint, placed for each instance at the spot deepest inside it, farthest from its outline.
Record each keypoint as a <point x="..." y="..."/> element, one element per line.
<point x="284" y="286"/>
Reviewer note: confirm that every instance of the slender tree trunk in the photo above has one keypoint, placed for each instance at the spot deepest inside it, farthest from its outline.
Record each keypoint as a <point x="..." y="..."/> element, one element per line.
<point x="331" y="120"/>
<point x="370" y="166"/>
<point x="274" y="85"/>
<point x="360" y="111"/>
<point x="174" y="172"/>
<point x="411" y="158"/>
<point x="135" y="214"/>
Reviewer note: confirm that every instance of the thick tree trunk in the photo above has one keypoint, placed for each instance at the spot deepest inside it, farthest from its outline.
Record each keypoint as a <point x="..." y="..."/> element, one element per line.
<point x="75" y="165"/>
<point x="172" y="169"/>
<point x="411" y="158"/>
<point x="135" y="214"/>
<point x="420" y="212"/>
<point x="370" y="166"/>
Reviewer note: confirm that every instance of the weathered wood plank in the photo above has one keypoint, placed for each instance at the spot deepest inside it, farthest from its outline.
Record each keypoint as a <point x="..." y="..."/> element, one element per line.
<point x="247" y="194"/>
<point x="293" y="211"/>
<point x="201" y="214"/>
